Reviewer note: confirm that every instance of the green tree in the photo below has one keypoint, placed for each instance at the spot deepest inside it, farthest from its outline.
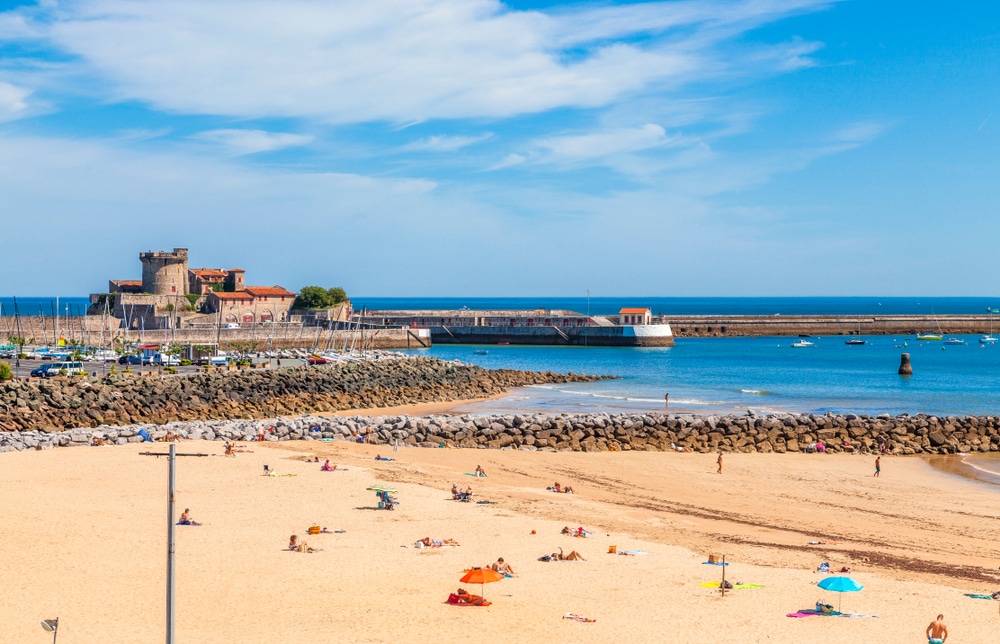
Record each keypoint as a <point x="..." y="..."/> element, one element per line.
<point x="337" y="295"/>
<point x="5" y="372"/>
<point x="312" y="297"/>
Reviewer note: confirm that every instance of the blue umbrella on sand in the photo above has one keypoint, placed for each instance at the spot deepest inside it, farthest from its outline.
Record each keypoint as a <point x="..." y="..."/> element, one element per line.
<point x="840" y="585"/>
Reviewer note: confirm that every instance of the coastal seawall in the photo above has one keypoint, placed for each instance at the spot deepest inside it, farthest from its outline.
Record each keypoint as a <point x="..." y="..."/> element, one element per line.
<point x="903" y="435"/>
<point x="714" y="326"/>
<point x="121" y="399"/>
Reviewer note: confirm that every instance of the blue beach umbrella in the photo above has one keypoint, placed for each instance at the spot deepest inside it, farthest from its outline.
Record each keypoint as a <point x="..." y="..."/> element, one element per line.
<point x="840" y="585"/>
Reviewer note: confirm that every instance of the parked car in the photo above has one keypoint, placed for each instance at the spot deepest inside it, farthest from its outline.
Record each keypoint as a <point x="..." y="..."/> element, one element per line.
<point x="232" y="325"/>
<point x="166" y="360"/>
<point x="123" y="359"/>
<point x="53" y="369"/>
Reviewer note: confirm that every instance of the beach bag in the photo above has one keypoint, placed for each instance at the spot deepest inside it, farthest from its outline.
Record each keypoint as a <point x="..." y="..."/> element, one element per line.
<point x="314" y="529"/>
<point x="713" y="559"/>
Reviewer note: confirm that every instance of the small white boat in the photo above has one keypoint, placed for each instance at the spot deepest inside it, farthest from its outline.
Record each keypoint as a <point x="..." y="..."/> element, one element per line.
<point x="481" y="352"/>
<point x="930" y="336"/>
<point x="987" y="339"/>
<point x="954" y="341"/>
<point x="802" y="344"/>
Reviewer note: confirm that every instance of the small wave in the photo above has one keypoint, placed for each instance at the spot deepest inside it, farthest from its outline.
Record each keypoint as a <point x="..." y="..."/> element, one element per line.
<point x="757" y="392"/>
<point x="985" y="470"/>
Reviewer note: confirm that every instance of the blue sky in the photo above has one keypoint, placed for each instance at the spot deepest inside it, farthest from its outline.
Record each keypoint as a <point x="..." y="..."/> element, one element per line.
<point x="480" y="148"/>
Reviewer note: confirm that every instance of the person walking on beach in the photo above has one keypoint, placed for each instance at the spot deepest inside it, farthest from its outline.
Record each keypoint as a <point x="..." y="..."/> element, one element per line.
<point x="666" y="399"/>
<point x="719" y="462"/>
<point x="878" y="465"/>
<point x="937" y="632"/>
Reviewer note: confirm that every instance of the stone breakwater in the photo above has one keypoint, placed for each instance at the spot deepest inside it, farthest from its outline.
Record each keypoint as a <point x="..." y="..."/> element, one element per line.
<point x="124" y="399"/>
<point x="780" y="433"/>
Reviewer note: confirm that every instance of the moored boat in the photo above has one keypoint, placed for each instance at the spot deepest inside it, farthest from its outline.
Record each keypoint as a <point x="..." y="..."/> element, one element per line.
<point x="954" y="341"/>
<point x="930" y="336"/>
<point x="802" y="344"/>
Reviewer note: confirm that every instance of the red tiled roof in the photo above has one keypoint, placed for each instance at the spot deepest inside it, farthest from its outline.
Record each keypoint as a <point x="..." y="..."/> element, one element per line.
<point x="209" y="272"/>
<point x="236" y="270"/>
<point x="268" y="291"/>
<point x="238" y="295"/>
<point x="633" y="311"/>
<point x="128" y="282"/>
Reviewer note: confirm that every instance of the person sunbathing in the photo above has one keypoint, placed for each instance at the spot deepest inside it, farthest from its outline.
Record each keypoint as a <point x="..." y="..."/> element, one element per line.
<point x="572" y="556"/>
<point x="480" y="471"/>
<point x="427" y="542"/>
<point x="300" y="546"/>
<point x="229" y="449"/>
<point x="467" y="598"/>
<point x="97" y="441"/>
<point x="172" y="437"/>
<point x="455" y="494"/>
<point x="501" y="566"/>
<point x="562" y="490"/>
<point x="327" y="467"/>
<point x="186" y="518"/>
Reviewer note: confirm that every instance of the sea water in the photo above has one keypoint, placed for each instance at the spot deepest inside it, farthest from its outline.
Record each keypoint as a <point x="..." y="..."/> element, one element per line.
<point x="719" y="375"/>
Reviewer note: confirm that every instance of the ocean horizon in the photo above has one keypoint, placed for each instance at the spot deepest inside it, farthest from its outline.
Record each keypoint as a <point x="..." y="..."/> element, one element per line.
<point x="852" y="305"/>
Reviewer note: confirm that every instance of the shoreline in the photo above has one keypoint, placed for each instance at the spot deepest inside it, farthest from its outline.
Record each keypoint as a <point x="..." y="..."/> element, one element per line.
<point x="444" y="408"/>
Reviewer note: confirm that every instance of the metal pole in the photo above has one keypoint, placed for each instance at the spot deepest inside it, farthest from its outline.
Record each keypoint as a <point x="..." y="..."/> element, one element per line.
<point x="170" y="548"/>
<point x="723" y="585"/>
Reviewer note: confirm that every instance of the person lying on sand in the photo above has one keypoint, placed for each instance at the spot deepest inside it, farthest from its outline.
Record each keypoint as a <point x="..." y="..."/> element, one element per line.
<point x="300" y="546"/>
<point x="562" y="490"/>
<point x="559" y="556"/>
<point x="480" y="471"/>
<point x="186" y="518"/>
<point x="427" y="542"/>
<point x="327" y="467"/>
<point x="172" y="437"/>
<point x="229" y="449"/>
<point x="96" y="441"/>
<point x="467" y="598"/>
<point x="379" y="457"/>
<point x="501" y="566"/>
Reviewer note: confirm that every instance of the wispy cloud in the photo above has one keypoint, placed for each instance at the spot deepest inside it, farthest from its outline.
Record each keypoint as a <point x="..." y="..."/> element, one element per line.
<point x="445" y="143"/>
<point x="597" y="145"/>
<point x="12" y="101"/>
<point x="399" y="61"/>
<point x="241" y="142"/>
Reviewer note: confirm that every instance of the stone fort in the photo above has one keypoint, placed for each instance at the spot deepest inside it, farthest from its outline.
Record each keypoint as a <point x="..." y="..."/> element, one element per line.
<point x="172" y="295"/>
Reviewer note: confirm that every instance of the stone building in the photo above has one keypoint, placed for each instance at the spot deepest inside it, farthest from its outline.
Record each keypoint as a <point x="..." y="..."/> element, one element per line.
<point x="171" y="295"/>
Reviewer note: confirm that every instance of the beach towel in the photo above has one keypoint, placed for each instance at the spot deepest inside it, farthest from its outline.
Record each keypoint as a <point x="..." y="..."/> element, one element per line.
<point x="714" y="563"/>
<point x="634" y="553"/>
<point x="485" y="502"/>
<point x="715" y="584"/>
<point x="977" y="596"/>
<point x="474" y="474"/>
<point x="578" y="618"/>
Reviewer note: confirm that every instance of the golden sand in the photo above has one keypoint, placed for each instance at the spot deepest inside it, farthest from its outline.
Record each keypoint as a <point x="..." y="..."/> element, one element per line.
<point x="83" y="538"/>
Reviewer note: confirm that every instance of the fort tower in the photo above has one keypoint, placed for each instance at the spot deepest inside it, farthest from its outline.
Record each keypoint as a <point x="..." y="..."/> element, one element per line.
<point x="165" y="273"/>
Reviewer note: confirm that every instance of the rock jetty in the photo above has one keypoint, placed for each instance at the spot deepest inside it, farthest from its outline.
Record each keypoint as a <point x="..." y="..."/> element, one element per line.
<point x="779" y="433"/>
<point x="123" y="399"/>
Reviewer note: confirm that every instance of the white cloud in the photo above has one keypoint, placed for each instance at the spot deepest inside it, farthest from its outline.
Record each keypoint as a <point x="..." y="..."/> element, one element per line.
<point x="12" y="101"/>
<point x="509" y="161"/>
<point x="582" y="147"/>
<point x="399" y="61"/>
<point x="445" y="143"/>
<point x="240" y="142"/>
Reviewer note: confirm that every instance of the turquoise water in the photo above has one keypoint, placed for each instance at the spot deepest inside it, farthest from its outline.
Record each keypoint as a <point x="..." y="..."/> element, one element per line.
<point x="764" y="374"/>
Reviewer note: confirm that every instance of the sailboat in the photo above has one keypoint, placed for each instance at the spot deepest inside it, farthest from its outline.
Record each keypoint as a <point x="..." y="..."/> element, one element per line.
<point x="856" y="341"/>
<point x="931" y="336"/>
<point x="989" y="339"/>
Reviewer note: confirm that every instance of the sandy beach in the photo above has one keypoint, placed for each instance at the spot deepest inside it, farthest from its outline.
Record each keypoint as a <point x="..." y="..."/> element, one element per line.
<point x="83" y="538"/>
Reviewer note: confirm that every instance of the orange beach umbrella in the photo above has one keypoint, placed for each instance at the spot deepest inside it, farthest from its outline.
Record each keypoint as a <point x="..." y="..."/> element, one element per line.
<point x="481" y="576"/>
